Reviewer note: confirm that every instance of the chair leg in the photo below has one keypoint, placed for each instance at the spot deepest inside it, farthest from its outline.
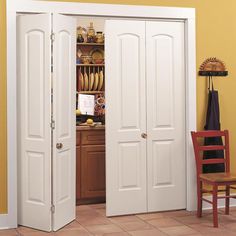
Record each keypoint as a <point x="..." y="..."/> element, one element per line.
<point x="199" y="199"/>
<point x="215" y="211"/>
<point x="227" y="193"/>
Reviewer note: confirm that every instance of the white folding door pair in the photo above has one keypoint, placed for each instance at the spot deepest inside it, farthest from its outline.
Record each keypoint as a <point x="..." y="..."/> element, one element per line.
<point x="145" y="118"/>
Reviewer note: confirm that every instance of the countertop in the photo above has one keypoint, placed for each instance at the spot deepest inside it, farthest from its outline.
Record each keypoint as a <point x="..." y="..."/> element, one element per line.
<point x="87" y="127"/>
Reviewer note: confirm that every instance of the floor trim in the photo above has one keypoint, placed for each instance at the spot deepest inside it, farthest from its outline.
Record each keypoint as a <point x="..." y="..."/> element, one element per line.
<point x="4" y="222"/>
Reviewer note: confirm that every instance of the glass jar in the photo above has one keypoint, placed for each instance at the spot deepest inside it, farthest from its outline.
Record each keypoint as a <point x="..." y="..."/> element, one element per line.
<point x="80" y="38"/>
<point x="99" y="37"/>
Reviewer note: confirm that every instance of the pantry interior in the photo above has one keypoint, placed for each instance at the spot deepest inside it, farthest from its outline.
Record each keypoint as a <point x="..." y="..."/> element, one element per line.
<point x="90" y="113"/>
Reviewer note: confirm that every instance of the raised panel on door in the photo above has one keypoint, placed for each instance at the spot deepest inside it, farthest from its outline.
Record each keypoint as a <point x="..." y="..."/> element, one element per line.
<point x="64" y="165"/>
<point x="93" y="171"/>
<point x="166" y="116"/>
<point x="125" y="117"/>
<point x="34" y="147"/>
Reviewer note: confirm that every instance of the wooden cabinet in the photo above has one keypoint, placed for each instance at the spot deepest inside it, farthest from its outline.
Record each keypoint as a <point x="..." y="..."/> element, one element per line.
<point x="93" y="171"/>
<point x="90" y="166"/>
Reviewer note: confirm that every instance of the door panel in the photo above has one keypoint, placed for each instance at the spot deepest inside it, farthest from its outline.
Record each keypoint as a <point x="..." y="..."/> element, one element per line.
<point x="64" y="176"/>
<point x="163" y="64"/>
<point x="125" y="117"/>
<point x="64" y="67"/>
<point x="35" y="177"/>
<point x="129" y="155"/>
<point x="92" y="171"/>
<point x="166" y="116"/>
<point x="34" y="116"/>
<point x="129" y="56"/>
<point x="64" y="48"/>
<point x="162" y="163"/>
<point x="34" y="52"/>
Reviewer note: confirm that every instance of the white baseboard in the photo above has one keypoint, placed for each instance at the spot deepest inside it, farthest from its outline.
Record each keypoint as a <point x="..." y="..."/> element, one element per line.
<point x="8" y="221"/>
<point x="4" y="221"/>
<point x="221" y="203"/>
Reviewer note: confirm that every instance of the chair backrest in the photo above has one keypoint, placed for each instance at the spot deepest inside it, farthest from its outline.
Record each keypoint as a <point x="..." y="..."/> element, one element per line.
<point x="199" y="148"/>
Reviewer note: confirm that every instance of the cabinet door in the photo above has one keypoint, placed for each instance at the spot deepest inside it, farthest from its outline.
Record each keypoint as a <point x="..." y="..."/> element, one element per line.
<point x="125" y="117"/>
<point x="166" y="116"/>
<point x="92" y="171"/>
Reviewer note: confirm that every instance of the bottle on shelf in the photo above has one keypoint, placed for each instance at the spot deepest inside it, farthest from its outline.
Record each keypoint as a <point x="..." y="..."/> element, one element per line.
<point x="91" y="34"/>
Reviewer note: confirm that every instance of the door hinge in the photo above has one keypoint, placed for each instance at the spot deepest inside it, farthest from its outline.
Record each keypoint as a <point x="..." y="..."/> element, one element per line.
<point x="52" y="124"/>
<point x="52" y="208"/>
<point x="52" y="37"/>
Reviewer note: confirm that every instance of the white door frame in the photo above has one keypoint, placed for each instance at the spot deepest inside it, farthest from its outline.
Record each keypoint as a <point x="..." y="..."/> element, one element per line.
<point x="9" y="220"/>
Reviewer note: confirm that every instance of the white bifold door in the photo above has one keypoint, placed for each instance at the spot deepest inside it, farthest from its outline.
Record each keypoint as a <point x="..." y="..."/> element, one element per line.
<point x="145" y="116"/>
<point x="46" y="120"/>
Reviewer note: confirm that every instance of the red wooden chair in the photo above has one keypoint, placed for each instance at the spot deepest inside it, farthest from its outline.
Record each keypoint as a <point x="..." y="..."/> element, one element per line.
<point x="225" y="179"/>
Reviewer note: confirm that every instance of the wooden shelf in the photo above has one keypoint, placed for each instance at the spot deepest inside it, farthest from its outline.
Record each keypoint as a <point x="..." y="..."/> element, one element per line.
<point x="213" y="73"/>
<point x="90" y="64"/>
<point x="90" y="92"/>
<point x="90" y="44"/>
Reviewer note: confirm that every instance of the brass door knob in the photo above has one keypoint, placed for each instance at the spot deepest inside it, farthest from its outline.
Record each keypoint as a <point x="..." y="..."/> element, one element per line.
<point x="59" y="145"/>
<point x="143" y="135"/>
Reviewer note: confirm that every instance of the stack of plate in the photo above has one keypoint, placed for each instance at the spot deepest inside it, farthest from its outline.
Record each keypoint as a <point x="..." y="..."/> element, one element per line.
<point x="100" y="84"/>
<point x="93" y="82"/>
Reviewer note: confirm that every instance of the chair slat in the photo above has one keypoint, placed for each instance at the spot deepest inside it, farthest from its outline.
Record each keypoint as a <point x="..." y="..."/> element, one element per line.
<point x="213" y="161"/>
<point x="209" y="133"/>
<point x="211" y="147"/>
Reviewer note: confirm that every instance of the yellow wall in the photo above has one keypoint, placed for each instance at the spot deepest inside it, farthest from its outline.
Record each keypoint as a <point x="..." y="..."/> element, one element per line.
<point x="216" y="36"/>
<point x="3" y="164"/>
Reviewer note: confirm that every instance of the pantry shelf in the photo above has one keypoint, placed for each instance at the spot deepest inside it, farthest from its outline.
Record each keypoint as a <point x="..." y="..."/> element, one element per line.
<point x="90" y="44"/>
<point x="90" y="65"/>
<point x="90" y="92"/>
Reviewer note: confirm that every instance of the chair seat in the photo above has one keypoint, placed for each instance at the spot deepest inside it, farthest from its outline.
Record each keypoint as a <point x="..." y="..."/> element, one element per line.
<point x="218" y="177"/>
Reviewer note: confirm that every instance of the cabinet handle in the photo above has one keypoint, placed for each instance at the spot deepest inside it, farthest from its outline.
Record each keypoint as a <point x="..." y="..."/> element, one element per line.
<point x="59" y="145"/>
<point x="143" y="135"/>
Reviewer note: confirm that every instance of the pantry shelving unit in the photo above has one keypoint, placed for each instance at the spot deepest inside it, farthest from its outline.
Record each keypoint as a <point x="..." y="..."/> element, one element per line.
<point x="86" y="49"/>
